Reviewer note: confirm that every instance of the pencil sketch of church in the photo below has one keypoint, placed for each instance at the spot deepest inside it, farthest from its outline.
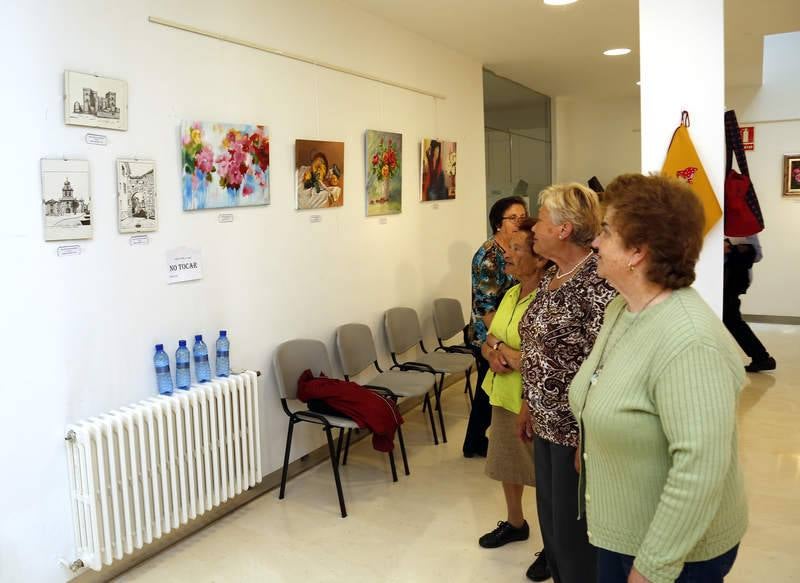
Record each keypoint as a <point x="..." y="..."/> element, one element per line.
<point x="66" y="201"/>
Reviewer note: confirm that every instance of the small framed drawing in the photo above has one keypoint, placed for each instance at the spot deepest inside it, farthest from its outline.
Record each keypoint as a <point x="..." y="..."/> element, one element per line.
<point x="791" y="175"/>
<point x="66" y="200"/>
<point x="136" y="196"/>
<point x="93" y="101"/>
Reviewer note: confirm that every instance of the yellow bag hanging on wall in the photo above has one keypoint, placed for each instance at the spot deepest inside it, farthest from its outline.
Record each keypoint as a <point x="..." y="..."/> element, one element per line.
<point x="683" y="162"/>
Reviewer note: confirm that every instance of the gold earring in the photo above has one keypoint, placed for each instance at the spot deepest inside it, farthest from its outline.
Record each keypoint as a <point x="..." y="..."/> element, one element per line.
<point x="630" y="266"/>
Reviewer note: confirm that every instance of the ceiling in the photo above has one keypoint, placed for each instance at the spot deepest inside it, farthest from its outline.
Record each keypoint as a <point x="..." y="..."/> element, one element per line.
<point x="557" y="50"/>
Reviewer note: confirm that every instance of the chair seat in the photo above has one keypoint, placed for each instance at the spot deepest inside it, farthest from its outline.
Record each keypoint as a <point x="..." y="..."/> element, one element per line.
<point x="446" y="362"/>
<point x="334" y="420"/>
<point x="404" y="383"/>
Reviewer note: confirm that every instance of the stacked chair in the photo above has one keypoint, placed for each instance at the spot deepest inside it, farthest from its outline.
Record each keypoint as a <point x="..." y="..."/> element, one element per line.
<point x="448" y="320"/>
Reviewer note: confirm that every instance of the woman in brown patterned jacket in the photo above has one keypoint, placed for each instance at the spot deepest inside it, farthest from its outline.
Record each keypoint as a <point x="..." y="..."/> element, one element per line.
<point x="558" y="332"/>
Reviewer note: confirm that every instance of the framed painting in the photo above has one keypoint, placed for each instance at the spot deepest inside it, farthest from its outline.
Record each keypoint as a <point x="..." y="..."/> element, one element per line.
<point x="224" y="165"/>
<point x="66" y="200"/>
<point x="94" y="101"/>
<point x="791" y="175"/>
<point x="384" y="181"/>
<point x="319" y="174"/>
<point x="438" y="165"/>
<point x="137" y="201"/>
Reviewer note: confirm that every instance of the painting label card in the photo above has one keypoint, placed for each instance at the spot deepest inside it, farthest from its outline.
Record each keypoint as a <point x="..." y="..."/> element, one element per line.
<point x="94" y="101"/>
<point x="382" y="221"/>
<point x="224" y="165"/>
<point x="66" y="200"/>
<point x="315" y="219"/>
<point x="68" y="250"/>
<point x="137" y="199"/>
<point x="319" y="174"/>
<point x="384" y="180"/>
<point x="225" y="218"/>
<point x="96" y="140"/>
<point x="139" y="240"/>
<point x="184" y="265"/>
<point x="435" y="206"/>
<point x="438" y="170"/>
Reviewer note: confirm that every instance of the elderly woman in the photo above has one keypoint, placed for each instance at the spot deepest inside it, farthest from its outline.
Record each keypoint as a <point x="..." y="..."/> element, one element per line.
<point x="489" y="283"/>
<point x="558" y="332"/>
<point x="656" y="399"/>
<point x="509" y="459"/>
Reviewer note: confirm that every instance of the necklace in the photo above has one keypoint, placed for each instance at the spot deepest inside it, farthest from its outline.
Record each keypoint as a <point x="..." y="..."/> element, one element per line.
<point x="577" y="265"/>
<point x="606" y="350"/>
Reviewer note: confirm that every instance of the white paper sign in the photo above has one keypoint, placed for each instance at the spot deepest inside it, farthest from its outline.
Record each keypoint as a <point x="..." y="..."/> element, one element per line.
<point x="315" y="218"/>
<point x="67" y="250"/>
<point x="225" y="218"/>
<point x="96" y="139"/>
<point x="184" y="265"/>
<point x="138" y="240"/>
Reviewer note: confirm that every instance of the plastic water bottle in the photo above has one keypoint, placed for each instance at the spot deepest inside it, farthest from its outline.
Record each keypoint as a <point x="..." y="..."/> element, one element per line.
<point x="202" y="369"/>
<point x="164" y="379"/>
<point x="223" y="354"/>
<point x="183" y="376"/>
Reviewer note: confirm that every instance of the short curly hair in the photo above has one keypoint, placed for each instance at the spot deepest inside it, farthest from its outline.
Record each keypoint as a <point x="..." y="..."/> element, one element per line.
<point x="500" y="207"/>
<point x="664" y="214"/>
<point x="574" y="203"/>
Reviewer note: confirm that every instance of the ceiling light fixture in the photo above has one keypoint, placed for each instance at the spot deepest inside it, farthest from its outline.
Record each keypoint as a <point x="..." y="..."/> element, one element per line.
<point x="638" y="82"/>
<point x="616" y="52"/>
<point x="559" y="2"/>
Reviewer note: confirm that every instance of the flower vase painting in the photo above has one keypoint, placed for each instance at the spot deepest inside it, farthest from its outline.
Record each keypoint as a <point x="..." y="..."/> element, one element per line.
<point x="224" y="165"/>
<point x="438" y="170"/>
<point x="384" y="177"/>
<point x="319" y="174"/>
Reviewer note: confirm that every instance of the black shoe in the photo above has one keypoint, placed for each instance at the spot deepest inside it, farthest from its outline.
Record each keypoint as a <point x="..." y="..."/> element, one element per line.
<point x="479" y="451"/>
<point x="538" y="571"/>
<point x="504" y="533"/>
<point x="761" y="364"/>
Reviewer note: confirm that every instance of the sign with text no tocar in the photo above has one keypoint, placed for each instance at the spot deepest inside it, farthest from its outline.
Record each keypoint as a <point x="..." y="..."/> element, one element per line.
<point x="748" y="135"/>
<point x="184" y="265"/>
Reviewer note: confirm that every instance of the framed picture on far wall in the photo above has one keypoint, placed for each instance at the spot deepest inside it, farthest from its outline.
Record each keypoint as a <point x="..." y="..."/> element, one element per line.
<point x="93" y="101"/>
<point x="384" y="172"/>
<point x="136" y="194"/>
<point x="66" y="200"/>
<point x="438" y="167"/>
<point x="319" y="174"/>
<point x="791" y="175"/>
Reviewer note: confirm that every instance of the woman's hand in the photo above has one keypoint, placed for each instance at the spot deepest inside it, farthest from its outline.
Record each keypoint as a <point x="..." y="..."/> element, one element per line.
<point x="637" y="577"/>
<point x="525" y="424"/>
<point x="498" y="363"/>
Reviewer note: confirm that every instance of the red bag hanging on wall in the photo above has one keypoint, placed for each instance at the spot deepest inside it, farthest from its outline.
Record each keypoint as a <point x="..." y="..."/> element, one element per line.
<point x="742" y="212"/>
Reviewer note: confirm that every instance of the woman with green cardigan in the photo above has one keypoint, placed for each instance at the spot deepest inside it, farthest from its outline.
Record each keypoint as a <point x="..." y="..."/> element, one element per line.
<point x="656" y="400"/>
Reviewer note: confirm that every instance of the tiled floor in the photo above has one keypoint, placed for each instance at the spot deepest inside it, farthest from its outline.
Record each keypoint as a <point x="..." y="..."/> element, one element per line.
<point x="425" y="527"/>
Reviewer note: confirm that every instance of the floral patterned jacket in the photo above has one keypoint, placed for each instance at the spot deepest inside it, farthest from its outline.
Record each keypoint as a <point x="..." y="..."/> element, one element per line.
<point x="489" y="283"/>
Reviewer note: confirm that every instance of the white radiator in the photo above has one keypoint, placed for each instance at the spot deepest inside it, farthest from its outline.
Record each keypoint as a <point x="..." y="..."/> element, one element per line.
<point x="141" y="471"/>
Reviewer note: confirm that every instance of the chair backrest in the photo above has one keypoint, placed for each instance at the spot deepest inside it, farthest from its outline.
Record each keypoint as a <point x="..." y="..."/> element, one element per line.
<point x="448" y="319"/>
<point x="356" y="348"/>
<point x="402" y="329"/>
<point x="292" y="357"/>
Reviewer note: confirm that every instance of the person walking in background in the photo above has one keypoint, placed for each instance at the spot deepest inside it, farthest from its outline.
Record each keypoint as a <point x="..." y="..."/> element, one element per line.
<point x="740" y="255"/>
<point x="558" y="332"/>
<point x="656" y="400"/>
<point x="489" y="283"/>
<point x="509" y="459"/>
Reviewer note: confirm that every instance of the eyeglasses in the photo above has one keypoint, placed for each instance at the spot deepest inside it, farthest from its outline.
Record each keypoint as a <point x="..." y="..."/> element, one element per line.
<point x="516" y="218"/>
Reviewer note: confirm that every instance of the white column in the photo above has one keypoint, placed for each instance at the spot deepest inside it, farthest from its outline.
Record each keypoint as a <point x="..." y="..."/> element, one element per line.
<point x="682" y="66"/>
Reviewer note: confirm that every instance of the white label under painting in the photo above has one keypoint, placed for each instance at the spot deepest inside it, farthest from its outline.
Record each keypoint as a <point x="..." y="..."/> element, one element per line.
<point x="66" y="200"/>
<point x="136" y="195"/>
<point x="184" y="265"/>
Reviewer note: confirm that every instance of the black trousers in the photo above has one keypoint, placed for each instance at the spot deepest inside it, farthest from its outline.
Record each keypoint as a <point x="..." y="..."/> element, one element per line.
<point x="480" y="417"/>
<point x="615" y="567"/>
<point x="569" y="555"/>
<point x="732" y="318"/>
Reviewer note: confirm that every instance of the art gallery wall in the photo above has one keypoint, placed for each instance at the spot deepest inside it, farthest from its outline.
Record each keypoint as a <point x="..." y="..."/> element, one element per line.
<point x="776" y="112"/>
<point x="78" y="332"/>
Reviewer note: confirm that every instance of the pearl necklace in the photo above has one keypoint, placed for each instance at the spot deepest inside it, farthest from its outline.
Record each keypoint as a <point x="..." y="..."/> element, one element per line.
<point x="577" y="265"/>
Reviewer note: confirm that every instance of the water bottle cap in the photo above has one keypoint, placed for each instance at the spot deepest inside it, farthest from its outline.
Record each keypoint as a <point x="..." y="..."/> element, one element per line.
<point x="159" y="347"/>
<point x="198" y="338"/>
<point x="182" y="343"/>
<point x="223" y="332"/>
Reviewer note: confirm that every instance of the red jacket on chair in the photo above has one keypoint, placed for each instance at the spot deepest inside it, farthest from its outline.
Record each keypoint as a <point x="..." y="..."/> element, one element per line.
<point x="368" y="409"/>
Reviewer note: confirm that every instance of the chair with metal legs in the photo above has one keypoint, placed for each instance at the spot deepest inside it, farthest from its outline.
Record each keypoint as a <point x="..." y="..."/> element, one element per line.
<point x="403" y="332"/>
<point x="356" y="347"/>
<point x="448" y="320"/>
<point x="290" y="360"/>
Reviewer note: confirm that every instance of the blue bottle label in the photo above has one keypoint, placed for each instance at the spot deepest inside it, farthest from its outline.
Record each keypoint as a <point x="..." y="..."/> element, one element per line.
<point x="203" y="358"/>
<point x="223" y="353"/>
<point x="160" y="369"/>
<point x="182" y="365"/>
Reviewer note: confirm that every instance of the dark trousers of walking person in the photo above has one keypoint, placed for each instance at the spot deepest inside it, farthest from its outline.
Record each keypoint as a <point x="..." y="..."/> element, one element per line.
<point x="615" y="568"/>
<point x="739" y="329"/>
<point x="569" y="555"/>
<point x="480" y="417"/>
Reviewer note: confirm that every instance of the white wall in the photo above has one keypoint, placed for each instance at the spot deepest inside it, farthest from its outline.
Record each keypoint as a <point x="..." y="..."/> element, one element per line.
<point x="596" y="137"/>
<point x="78" y="332"/>
<point x="776" y="278"/>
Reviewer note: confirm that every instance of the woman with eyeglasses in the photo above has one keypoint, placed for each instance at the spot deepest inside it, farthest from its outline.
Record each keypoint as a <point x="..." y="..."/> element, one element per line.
<point x="489" y="283"/>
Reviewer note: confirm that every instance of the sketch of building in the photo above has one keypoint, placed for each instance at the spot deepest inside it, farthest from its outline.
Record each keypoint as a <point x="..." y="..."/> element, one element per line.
<point x="66" y="205"/>
<point x="137" y="198"/>
<point x="66" y="200"/>
<point x="105" y="107"/>
<point x="94" y="101"/>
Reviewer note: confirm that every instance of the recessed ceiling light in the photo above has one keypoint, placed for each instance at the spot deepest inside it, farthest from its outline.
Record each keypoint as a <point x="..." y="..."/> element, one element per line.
<point x="638" y="82"/>
<point x="559" y="2"/>
<point x="616" y="52"/>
